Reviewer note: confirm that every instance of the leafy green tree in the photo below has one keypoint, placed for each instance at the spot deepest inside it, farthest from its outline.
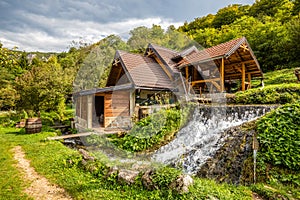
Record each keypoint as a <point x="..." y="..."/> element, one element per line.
<point x="43" y="88"/>
<point x="293" y="29"/>
<point x="96" y="66"/>
<point x="9" y="69"/>
<point x="267" y="8"/>
<point x="198" y="23"/>
<point x="227" y="15"/>
<point x="176" y="40"/>
<point x="296" y="8"/>
<point x="142" y="36"/>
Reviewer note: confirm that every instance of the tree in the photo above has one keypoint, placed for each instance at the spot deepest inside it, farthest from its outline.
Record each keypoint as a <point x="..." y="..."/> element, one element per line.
<point x="296" y="8"/>
<point x="9" y="69"/>
<point x="267" y="8"/>
<point x="43" y="88"/>
<point x="96" y="66"/>
<point x="227" y="15"/>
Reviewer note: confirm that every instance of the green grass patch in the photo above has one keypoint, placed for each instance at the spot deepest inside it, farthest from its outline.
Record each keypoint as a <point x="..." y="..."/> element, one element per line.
<point x="273" y="94"/>
<point x="52" y="160"/>
<point x="11" y="182"/>
<point x="284" y="76"/>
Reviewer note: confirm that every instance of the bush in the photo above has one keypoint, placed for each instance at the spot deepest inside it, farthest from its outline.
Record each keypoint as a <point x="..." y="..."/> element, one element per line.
<point x="279" y="136"/>
<point x="150" y="131"/>
<point x="10" y="118"/>
<point x="164" y="176"/>
<point x="273" y="94"/>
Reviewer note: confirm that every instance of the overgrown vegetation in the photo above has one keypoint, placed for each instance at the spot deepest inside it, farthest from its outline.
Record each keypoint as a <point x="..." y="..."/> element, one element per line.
<point x="149" y="131"/>
<point x="279" y="136"/>
<point x="278" y="156"/>
<point x="153" y="131"/>
<point x="273" y="94"/>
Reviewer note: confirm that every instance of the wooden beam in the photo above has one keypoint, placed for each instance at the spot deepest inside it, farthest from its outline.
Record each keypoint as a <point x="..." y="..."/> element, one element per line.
<point x="244" y="47"/>
<point x="195" y="72"/>
<point x="238" y="63"/>
<point x="205" y="81"/>
<point x="231" y="75"/>
<point x="163" y="67"/>
<point x="119" y="73"/>
<point x="249" y="81"/>
<point x="116" y="62"/>
<point x="222" y="75"/>
<point x="150" y="52"/>
<point x="215" y="71"/>
<point x="243" y="76"/>
<point x="187" y="73"/>
<point x="217" y="86"/>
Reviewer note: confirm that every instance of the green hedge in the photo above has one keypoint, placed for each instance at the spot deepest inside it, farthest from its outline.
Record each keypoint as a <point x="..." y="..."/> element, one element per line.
<point x="273" y="94"/>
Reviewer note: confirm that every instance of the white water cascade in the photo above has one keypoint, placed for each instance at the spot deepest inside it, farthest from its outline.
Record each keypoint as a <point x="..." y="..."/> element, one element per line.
<point x="201" y="137"/>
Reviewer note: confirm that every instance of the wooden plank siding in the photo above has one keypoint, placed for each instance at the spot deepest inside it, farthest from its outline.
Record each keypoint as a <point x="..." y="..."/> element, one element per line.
<point x="116" y="105"/>
<point x="83" y="107"/>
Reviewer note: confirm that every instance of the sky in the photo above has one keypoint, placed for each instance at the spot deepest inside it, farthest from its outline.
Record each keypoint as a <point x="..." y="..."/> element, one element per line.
<point x="51" y="25"/>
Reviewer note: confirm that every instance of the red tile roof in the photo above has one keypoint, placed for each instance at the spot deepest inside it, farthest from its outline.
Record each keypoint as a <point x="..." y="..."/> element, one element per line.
<point x="224" y="49"/>
<point x="145" y="71"/>
<point x="166" y="55"/>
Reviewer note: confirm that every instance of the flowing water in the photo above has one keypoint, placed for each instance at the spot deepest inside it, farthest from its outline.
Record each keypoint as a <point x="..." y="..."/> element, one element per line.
<point x="201" y="137"/>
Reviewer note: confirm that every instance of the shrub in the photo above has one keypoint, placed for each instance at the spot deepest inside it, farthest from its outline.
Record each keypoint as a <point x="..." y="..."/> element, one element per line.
<point x="273" y="94"/>
<point x="150" y="131"/>
<point x="164" y="176"/>
<point x="279" y="136"/>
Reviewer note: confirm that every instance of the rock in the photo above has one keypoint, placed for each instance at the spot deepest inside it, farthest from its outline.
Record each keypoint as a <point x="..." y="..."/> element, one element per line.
<point x="86" y="155"/>
<point x="182" y="183"/>
<point x="111" y="171"/>
<point x="127" y="176"/>
<point x="147" y="181"/>
<point x="227" y="165"/>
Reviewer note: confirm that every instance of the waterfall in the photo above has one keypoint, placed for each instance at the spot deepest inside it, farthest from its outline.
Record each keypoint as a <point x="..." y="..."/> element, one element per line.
<point x="202" y="136"/>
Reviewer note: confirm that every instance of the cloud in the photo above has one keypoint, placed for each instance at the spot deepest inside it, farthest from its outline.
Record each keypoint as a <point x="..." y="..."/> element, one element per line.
<point x="45" y="25"/>
<point x="51" y="34"/>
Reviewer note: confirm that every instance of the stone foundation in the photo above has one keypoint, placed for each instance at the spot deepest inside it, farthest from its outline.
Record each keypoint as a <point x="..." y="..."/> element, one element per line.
<point x="120" y="122"/>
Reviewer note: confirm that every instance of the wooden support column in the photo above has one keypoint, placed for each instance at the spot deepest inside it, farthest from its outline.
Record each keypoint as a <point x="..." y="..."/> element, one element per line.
<point x="187" y="73"/>
<point x="243" y="77"/>
<point x="222" y="75"/>
<point x="249" y="81"/>
<point x="90" y="111"/>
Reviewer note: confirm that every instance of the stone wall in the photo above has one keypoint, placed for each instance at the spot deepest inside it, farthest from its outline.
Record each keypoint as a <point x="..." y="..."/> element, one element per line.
<point x="120" y="122"/>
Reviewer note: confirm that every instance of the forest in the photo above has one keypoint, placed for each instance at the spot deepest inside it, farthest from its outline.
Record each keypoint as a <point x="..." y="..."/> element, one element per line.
<point x="36" y="81"/>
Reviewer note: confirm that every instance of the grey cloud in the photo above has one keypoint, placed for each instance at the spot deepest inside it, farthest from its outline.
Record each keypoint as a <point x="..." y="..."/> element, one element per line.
<point x="51" y="25"/>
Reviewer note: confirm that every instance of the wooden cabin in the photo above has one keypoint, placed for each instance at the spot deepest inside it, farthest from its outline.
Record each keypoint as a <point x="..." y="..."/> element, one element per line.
<point x="161" y="76"/>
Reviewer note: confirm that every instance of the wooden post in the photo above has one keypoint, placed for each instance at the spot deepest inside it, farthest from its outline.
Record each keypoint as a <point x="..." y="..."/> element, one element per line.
<point x="243" y="76"/>
<point x="222" y="76"/>
<point x="187" y="73"/>
<point x="249" y="81"/>
<point x="90" y="111"/>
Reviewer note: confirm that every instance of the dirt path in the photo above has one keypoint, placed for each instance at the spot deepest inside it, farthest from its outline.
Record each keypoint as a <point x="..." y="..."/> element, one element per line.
<point x="39" y="188"/>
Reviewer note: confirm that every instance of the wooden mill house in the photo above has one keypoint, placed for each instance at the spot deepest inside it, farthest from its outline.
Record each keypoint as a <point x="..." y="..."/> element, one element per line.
<point x="136" y="80"/>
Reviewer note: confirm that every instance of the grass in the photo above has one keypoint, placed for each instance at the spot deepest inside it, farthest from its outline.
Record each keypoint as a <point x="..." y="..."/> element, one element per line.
<point x="284" y="76"/>
<point x="271" y="94"/>
<point x="49" y="159"/>
<point x="11" y="184"/>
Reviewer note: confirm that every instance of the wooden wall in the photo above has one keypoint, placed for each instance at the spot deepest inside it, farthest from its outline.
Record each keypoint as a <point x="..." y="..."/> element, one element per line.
<point x="117" y="107"/>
